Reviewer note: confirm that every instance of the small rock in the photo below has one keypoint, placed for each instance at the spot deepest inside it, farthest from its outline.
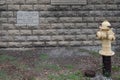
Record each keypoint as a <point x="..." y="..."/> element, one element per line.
<point x="89" y="73"/>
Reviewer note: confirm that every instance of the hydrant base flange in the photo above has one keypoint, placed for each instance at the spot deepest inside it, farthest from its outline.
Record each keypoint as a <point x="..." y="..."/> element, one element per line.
<point x="106" y="54"/>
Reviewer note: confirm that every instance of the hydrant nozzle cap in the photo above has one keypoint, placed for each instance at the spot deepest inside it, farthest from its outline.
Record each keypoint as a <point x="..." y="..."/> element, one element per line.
<point x="105" y="25"/>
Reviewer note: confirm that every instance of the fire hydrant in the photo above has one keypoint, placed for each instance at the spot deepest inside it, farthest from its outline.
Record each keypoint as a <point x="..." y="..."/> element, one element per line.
<point x="106" y="35"/>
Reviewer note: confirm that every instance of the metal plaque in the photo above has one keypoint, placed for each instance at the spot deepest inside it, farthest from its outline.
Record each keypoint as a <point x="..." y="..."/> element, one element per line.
<point x="68" y="2"/>
<point x="28" y="18"/>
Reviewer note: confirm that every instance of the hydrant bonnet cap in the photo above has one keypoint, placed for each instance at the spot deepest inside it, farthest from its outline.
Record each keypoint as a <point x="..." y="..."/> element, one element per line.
<point x="105" y="24"/>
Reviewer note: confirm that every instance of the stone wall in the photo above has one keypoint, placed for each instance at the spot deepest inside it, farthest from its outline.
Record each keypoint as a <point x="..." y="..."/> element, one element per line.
<point x="59" y="25"/>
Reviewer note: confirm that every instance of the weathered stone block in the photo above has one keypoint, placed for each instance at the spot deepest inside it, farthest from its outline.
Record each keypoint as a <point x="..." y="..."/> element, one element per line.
<point x="3" y="44"/>
<point x="44" y="38"/>
<point x="91" y="37"/>
<point x="52" y="20"/>
<point x="18" y="1"/>
<point x="13" y="7"/>
<point x="108" y="1"/>
<point x="95" y="1"/>
<point x="97" y="42"/>
<point x="115" y="13"/>
<point x="74" y="32"/>
<point x="70" y="19"/>
<point x="3" y="7"/>
<point x="3" y="32"/>
<point x="87" y="43"/>
<point x="40" y="7"/>
<point x="112" y="7"/>
<point x="3" y="20"/>
<point x="12" y="20"/>
<point x="57" y="38"/>
<point x="75" y="43"/>
<point x="31" y="1"/>
<point x="26" y="7"/>
<point x="99" y="19"/>
<point x="25" y="32"/>
<point x="32" y="38"/>
<point x="51" y="32"/>
<point x="44" y="26"/>
<point x="69" y="25"/>
<point x="81" y="37"/>
<point x="80" y="25"/>
<point x="58" y="8"/>
<point x="6" y="38"/>
<point x="7" y="26"/>
<point x="81" y="14"/>
<point x="14" y="44"/>
<point x="63" y="43"/>
<point x="39" y="32"/>
<point x="13" y="32"/>
<point x="44" y="1"/>
<point x="62" y="31"/>
<point x="38" y="44"/>
<point x="2" y="2"/>
<point x="26" y="44"/>
<point x="68" y="2"/>
<point x="97" y="13"/>
<point x="51" y="43"/>
<point x="57" y="26"/>
<point x="69" y="37"/>
<point x="93" y="25"/>
<point x="100" y="7"/>
<point x="88" y="19"/>
<point x="118" y="30"/>
<point x="6" y="14"/>
<point x="20" y="38"/>
<point x="88" y="31"/>
<point x="88" y="7"/>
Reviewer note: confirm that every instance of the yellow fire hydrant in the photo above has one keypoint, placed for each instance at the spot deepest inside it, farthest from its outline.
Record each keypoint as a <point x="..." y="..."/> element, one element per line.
<point x="106" y="35"/>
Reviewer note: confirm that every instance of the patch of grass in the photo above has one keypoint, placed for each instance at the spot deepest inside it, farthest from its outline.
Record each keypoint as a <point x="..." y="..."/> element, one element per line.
<point x="83" y="50"/>
<point x="32" y="78"/>
<point x="90" y="51"/>
<point x="115" y="68"/>
<point x="116" y="77"/>
<point x="3" y="75"/>
<point x="53" y="67"/>
<point x="94" y="53"/>
<point x="44" y="56"/>
<point x="69" y="66"/>
<point x="42" y="66"/>
<point x="16" y="76"/>
<point x="70" y="76"/>
<point x="21" y="66"/>
<point x="4" y="58"/>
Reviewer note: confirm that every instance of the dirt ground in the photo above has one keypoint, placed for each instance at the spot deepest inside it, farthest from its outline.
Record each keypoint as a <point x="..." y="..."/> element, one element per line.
<point x="41" y="64"/>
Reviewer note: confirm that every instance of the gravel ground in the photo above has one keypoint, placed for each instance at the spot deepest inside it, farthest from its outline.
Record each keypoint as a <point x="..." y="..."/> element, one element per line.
<point x="26" y="64"/>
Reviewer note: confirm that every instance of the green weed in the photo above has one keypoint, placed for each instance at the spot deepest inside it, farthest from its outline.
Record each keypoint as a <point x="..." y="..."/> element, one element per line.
<point x="53" y="67"/>
<point x="70" y="76"/>
<point x="94" y="53"/>
<point x="116" y="77"/>
<point x="115" y="68"/>
<point x="44" y="56"/>
<point x="69" y="66"/>
<point x="4" y="58"/>
<point x="3" y="75"/>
